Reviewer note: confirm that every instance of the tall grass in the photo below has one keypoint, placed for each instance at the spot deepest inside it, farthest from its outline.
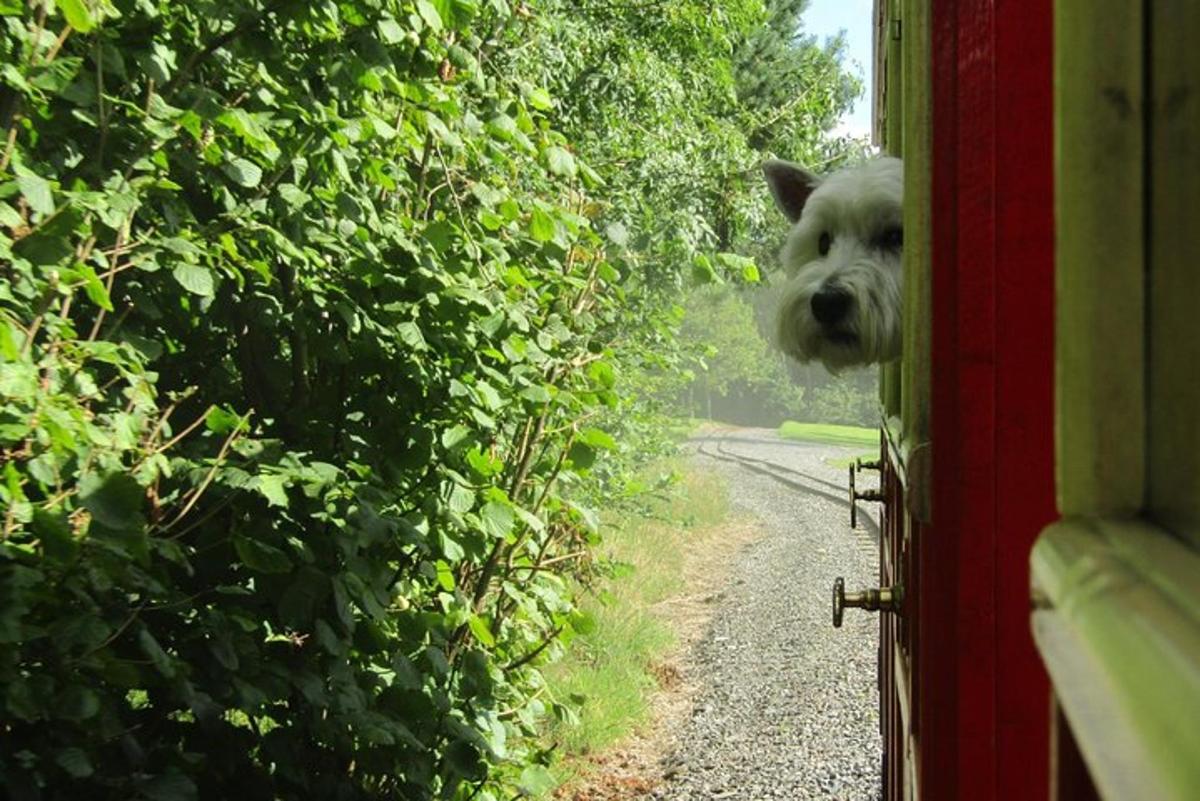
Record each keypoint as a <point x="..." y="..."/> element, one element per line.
<point x="610" y="669"/>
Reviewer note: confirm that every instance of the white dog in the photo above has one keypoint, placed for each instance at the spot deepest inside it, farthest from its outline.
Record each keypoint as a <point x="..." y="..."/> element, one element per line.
<point x="841" y="299"/>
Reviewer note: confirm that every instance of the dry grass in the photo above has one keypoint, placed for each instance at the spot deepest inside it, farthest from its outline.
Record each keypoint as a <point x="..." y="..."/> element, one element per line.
<point x="631" y="668"/>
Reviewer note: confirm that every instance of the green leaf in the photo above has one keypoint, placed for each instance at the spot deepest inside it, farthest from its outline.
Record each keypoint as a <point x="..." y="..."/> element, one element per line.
<point x="430" y="15"/>
<point x="451" y="547"/>
<point x="537" y="394"/>
<point x="582" y="455"/>
<point x="222" y="421"/>
<point x="497" y="518"/>
<point x="734" y="262"/>
<point x="74" y="761"/>
<point x="617" y="233"/>
<point x="9" y="217"/>
<point x="293" y="195"/>
<point x="390" y="31"/>
<point x="77" y="14"/>
<point x="158" y="657"/>
<point x="461" y="499"/>
<point x="21" y="701"/>
<point x="541" y="226"/>
<point x="702" y="269"/>
<point x="300" y="600"/>
<point x="536" y="781"/>
<point x="77" y="703"/>
<point x="195" y="279"/>
<point x="244" y="172"/>
<point x="462" y="58"/>
<point x="488" y="395"/>
<point x="54" y="530"/>
<point x="480" y="629"/>
<point x="171" y="786"/>
<point x="410" y="334"/>
<point x="452" y="437"/>
<point x="602" y="373"/>
<point x="447" y="11"/>
<point x="445" y="575"/>
<point x="484" y="464"/>
<point x="540" y="99"/>
<point x="598" y="439"/>
<point x="503" y="127"/>
<point x="95" y="290"/>
<point x="561" y="162"/>
<point x="36" y="190"/>
<point x="271" y="487"/>
<point x="583" y="622"/>
<point x="261" y="557"/>
<point x="114" y="500"/>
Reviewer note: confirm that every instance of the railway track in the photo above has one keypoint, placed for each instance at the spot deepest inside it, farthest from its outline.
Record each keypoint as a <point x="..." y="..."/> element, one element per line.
<point x="785" y="706"/>
<point x="717" y="446"/>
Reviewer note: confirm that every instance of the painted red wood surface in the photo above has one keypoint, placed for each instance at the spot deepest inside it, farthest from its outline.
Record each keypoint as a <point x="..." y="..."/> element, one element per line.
<point x="983" y="711"/>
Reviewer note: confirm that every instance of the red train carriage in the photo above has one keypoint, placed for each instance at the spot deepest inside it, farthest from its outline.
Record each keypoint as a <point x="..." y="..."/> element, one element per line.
<point x="1040" y="574"/>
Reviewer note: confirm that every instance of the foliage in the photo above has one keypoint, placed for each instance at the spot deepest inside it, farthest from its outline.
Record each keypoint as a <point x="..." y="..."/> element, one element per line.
<point x="850" y="398"/>
<point x="739" y="378"/>
<point x="794" y="89"/>
<point x="317" y="322"/>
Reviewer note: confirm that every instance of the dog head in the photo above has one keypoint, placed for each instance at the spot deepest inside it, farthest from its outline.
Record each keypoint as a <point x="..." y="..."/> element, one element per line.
<point x="840" y="302"/>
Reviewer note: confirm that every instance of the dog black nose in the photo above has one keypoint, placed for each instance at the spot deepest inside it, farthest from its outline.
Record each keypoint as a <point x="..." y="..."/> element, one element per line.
<point x="830" y="305"/>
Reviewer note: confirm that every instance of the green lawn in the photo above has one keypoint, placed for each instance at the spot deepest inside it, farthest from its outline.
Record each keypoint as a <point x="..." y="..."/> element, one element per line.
<point x="832" y="434"/>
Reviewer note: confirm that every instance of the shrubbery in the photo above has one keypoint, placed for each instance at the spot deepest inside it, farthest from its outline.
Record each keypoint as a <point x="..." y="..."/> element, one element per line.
<point x="312" y="323"/>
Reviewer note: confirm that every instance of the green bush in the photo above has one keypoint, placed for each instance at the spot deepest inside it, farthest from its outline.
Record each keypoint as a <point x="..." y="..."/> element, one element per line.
<point x="301" y="328"/>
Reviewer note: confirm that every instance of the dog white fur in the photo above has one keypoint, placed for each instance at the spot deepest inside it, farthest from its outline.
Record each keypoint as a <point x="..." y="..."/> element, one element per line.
<point x="840" y="301"/>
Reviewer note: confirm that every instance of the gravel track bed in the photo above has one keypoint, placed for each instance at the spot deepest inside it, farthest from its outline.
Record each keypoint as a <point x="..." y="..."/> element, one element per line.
<point x="786" y="706"/>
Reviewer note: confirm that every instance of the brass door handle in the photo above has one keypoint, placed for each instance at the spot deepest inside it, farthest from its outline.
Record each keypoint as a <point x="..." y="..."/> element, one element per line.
<point x="887" y="599"/>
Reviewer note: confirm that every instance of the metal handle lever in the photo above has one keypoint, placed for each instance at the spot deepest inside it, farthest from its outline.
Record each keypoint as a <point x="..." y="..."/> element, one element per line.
<point x="887" y="599"/>
<point x="855" y="496"/>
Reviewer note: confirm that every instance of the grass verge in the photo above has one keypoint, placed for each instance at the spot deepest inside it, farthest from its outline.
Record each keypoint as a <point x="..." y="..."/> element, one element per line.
<point x="616" y="669"/>
<point x="828" y="433"/>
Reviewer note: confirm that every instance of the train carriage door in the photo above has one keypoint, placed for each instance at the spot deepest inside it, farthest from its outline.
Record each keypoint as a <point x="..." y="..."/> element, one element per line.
<point x="1116" y="583"/>
<point x="968" y="447"/>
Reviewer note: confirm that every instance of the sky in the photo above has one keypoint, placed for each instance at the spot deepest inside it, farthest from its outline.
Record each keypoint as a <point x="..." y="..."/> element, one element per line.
<point x="825" y="18"/>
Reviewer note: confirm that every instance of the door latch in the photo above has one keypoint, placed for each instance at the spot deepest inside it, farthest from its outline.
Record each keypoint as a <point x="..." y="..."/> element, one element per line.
<point x="863" y="495"/>
<point x="887" y="599"/>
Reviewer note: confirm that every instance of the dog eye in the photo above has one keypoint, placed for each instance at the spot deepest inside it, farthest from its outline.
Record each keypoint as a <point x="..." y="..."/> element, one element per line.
<point x="823" y="243"/>
<point x="891" y="239"/>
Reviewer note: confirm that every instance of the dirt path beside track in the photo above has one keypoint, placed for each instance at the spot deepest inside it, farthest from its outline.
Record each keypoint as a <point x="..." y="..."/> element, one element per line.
<point x="766" y="700"/>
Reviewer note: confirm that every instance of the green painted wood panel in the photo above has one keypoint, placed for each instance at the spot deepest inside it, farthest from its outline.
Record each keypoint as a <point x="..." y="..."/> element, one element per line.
<point x="888" y="134"/>
<point x="1100" y="256"/>
<point x="889" y="138"/>
<point x="917" y="132"/>
<point x="1174" y="400"/>
<point x="1119" y="631"/>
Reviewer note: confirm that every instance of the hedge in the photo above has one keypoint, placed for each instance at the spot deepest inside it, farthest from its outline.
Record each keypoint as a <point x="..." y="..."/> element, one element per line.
<point x="304" y="325"/>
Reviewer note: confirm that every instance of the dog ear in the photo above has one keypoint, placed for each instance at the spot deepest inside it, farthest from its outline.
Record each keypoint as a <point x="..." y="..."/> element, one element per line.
<point x="790" y="185"/>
